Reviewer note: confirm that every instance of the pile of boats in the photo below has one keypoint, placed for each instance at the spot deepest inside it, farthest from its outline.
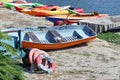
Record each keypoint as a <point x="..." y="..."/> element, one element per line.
<point x="52" y="11"/>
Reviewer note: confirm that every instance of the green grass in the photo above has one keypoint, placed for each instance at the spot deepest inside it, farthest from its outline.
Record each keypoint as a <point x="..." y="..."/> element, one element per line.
<point x="110" y="37"/>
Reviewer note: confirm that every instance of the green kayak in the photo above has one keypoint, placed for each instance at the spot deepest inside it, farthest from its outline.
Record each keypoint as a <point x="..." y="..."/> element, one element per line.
<point x="11" y="5"/>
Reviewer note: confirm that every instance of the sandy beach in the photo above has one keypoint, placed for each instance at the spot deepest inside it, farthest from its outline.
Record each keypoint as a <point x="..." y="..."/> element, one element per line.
<point x="95" y="60"/>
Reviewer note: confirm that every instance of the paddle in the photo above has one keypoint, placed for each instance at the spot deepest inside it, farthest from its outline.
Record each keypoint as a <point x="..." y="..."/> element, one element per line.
<point x="73" y="11"/>
<point x="84" y="14"/>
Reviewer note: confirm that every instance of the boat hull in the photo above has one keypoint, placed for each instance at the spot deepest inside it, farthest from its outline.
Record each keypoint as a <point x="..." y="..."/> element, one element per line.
<point x="55" y="46"/>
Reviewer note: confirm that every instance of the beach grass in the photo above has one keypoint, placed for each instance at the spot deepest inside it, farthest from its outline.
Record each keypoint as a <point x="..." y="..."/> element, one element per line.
<point x="110" y="37"/>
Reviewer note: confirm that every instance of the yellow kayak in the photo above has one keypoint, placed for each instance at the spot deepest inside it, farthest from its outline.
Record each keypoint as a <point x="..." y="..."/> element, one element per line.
<point x="6" y="0"/>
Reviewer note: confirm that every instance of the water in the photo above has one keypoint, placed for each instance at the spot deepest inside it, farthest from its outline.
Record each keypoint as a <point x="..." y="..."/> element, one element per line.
<point x="110" y="7"/>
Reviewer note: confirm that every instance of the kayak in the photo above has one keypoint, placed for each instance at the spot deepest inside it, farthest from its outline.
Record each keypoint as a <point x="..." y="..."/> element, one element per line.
<point x="6" y="0"/>
<point x="38" y="12"/>
<point x="41" y="11"/>
<point x="43" y="7"/>
<point x="0" y="4"/>
<point x="11" y="5"/>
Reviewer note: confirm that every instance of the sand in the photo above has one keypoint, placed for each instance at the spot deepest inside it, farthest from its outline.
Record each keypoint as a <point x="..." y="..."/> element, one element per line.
<point x="95" y="60"/>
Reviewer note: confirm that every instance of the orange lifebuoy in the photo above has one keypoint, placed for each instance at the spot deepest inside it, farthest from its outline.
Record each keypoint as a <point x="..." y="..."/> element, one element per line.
<point x="40" y="65"/>
<point x="41" y="60"/>
<point x="34" y="52"/>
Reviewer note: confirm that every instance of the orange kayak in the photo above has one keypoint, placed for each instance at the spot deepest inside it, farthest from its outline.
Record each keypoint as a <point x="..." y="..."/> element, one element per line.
<point x="38" y="12"/>
<point x="42" y="11"/>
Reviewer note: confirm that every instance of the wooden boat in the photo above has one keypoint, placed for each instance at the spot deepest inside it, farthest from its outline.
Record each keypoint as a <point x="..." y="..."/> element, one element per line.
<point x="74" y="17"/>
<point x="43" y="11"/>
<point x="57" y="37"/>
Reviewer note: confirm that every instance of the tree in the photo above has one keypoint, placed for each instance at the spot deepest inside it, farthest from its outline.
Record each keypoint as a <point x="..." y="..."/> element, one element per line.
<point x="9" y="68"/>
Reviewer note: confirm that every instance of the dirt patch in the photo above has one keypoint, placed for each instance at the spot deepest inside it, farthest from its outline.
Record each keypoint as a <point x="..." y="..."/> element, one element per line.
<point x="10" y="18"/>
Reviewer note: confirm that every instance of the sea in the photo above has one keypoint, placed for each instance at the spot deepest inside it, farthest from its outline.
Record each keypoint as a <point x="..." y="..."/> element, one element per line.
<point x="111" y="7"/>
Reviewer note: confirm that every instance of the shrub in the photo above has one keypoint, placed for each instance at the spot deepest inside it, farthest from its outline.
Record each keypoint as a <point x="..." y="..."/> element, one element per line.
<point x="9" y="70"/>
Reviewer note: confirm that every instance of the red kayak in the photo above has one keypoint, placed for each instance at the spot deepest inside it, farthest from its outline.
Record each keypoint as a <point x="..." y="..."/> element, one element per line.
<point x="0" y="4"/>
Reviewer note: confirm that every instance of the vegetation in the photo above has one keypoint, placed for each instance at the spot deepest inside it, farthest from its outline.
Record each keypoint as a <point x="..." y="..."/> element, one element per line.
<point x="4" y="36"/>
<point x="9" y="70"/>
<point x="110" y="37"/>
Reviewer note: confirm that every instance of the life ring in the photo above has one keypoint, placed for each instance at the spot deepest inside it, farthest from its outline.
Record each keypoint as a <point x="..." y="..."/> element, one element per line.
<point x="40" y="65"/>
<point x="38" y="60"/>
<point x="41" y="60"/>
<point x="34" y="53"/>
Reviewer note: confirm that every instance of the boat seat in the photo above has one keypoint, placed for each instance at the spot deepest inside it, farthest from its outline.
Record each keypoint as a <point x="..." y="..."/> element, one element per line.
<point x="82" y="33"/>
<point x="57" y="37"/>
<point x="33" y="37"/>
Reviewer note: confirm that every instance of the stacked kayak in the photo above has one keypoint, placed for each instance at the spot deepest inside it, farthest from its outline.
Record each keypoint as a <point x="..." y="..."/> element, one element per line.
<point x="11" y="5"/>
<point x="0" y="4"/>
<point x="38" y="12"/>
<point x="42" y="7"/>
<point x="42" y="11"/>
<point x="6" y="0"/>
